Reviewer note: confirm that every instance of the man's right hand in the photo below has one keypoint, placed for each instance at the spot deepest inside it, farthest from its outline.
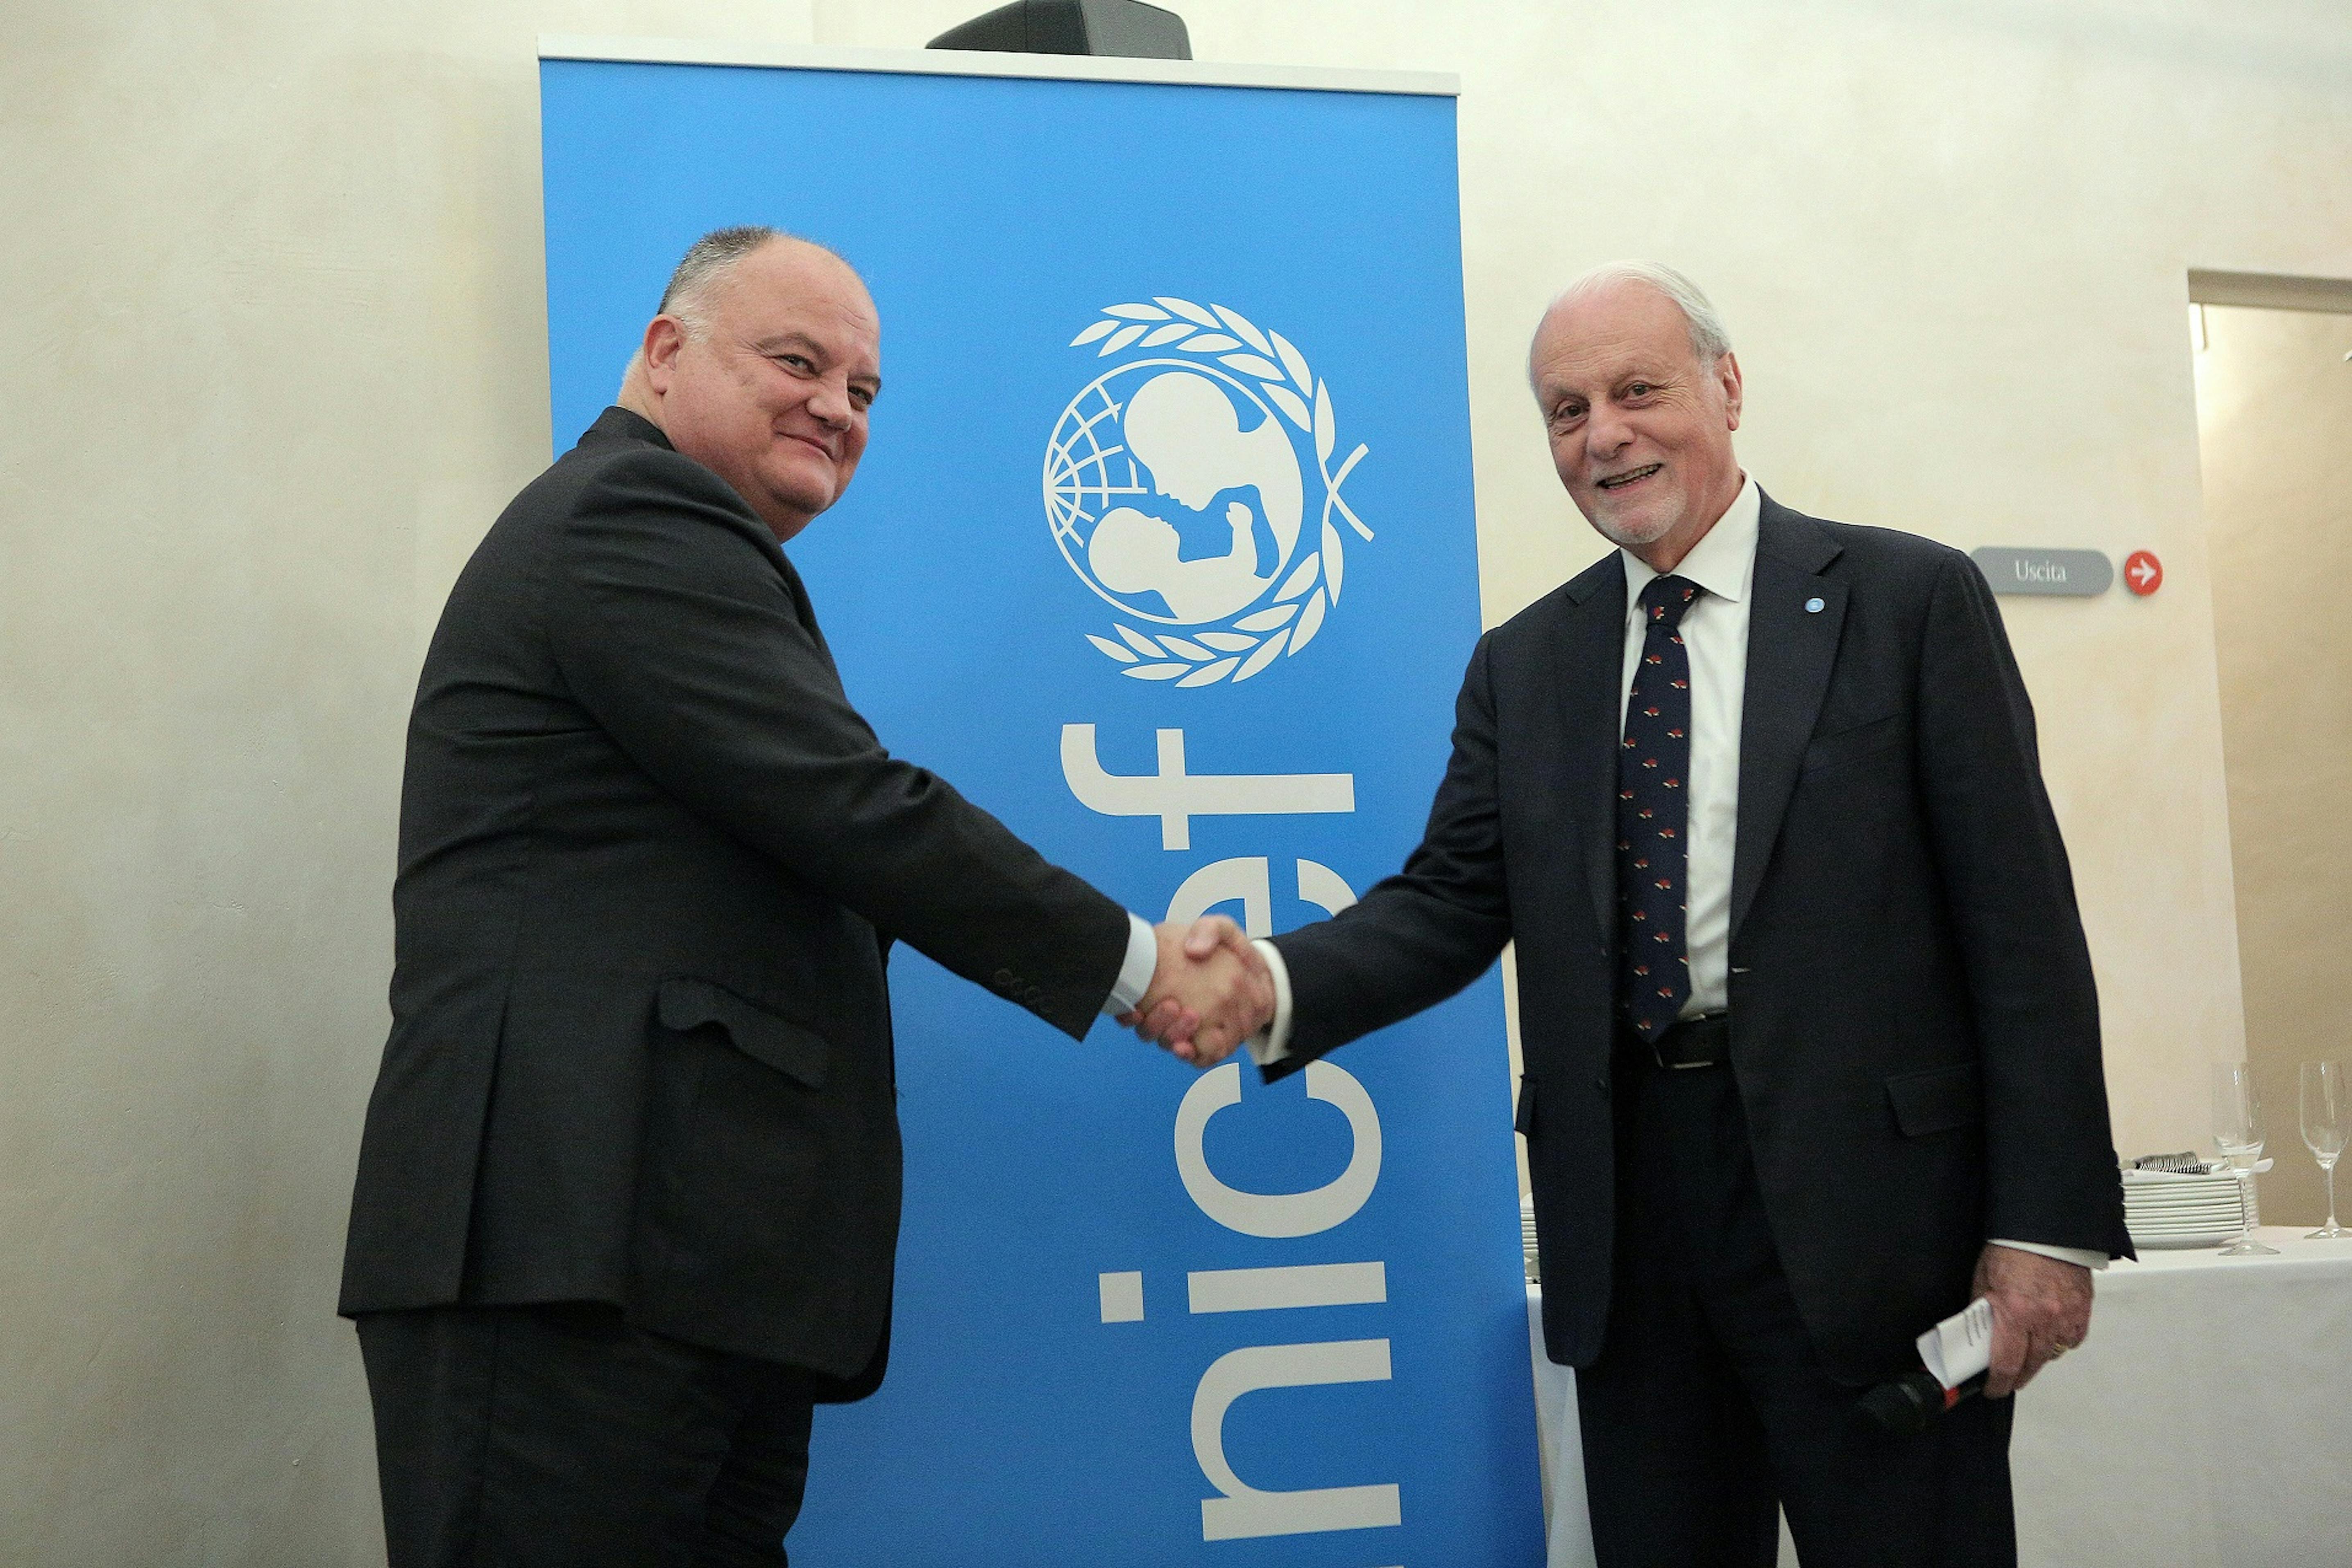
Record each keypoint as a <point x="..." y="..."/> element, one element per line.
<point x="1210" y="992"/>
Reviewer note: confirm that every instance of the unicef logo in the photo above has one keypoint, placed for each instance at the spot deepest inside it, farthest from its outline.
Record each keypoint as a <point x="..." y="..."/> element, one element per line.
<point x="1176" y="488"/>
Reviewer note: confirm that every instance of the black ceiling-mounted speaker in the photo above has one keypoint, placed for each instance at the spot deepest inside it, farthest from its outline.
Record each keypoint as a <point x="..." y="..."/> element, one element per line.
<point x="1127" y="27"/>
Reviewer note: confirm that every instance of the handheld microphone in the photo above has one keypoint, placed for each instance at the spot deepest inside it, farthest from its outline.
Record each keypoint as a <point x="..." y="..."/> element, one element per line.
<point x="1915" y="1401"/>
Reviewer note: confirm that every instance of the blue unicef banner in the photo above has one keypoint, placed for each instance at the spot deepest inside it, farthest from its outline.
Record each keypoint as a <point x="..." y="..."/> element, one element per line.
<point x="1162" y="550"/>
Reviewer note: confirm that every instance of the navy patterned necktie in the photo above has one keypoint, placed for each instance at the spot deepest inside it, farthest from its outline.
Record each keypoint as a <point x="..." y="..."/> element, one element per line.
<point x="1653" y="817"/>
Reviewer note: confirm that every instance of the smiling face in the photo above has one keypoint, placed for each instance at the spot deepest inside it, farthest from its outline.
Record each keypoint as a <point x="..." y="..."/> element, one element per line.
<point x="1640" y="430"/>
<point x="766" y="379"/>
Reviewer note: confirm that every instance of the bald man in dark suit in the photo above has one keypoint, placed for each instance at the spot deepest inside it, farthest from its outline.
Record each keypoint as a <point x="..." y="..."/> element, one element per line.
<point x="628" y="1195"/>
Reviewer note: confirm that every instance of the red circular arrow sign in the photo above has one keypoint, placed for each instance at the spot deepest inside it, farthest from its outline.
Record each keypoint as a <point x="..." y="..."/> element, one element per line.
<point x="2143" y="572"/>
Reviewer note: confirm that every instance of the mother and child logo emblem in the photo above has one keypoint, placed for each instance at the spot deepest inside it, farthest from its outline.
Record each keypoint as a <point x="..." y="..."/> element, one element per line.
<point x="1175" y="486"/>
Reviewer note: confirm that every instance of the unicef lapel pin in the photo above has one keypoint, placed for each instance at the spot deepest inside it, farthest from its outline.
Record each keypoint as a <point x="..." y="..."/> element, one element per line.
<point x="1813" y="606"/>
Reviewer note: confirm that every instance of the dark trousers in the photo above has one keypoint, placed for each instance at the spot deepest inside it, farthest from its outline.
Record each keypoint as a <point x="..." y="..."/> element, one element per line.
<point x="559" y="1436"/>
<point x="1707" y="1410"/>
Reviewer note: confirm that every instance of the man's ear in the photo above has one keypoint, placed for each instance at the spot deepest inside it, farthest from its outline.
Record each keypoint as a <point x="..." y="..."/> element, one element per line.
<point x="1727" y="371"/>
<point x="665" y="336"/>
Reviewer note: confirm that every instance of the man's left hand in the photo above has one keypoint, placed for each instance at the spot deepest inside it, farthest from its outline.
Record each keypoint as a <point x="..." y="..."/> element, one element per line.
<point x="2041" y="1309"/>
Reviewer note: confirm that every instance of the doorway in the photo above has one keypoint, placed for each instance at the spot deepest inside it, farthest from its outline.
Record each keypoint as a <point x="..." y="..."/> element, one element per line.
<point x="2274" y="371"/>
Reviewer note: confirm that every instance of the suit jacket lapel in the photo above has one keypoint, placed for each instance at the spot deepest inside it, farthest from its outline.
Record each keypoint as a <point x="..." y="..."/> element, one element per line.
<point x="1591" y="673"/>
<point x="1791" y="649"/>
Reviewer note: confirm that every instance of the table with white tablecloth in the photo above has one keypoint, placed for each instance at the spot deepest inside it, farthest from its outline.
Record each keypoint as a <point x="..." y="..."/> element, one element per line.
<point x="2207" y="1422"/>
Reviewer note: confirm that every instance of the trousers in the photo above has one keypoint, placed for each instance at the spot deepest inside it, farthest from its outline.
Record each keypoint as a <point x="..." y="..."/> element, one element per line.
<point x="561" y="1436"/>
<point x="1707" y="1413"/>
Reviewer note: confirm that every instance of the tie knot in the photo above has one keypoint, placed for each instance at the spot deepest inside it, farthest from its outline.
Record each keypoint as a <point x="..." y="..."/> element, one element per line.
<point x="1666" y="599"/>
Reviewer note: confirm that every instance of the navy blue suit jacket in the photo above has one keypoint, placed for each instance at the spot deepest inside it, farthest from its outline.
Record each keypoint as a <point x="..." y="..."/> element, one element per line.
<point x="1914" y="1026"/>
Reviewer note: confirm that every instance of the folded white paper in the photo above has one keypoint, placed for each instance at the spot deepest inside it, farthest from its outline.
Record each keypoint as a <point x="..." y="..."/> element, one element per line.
<point x="1959" y="1347"/>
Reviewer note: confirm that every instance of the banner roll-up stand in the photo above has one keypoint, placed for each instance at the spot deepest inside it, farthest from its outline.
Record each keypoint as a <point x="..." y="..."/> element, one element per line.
<point x="1162" y="550"/>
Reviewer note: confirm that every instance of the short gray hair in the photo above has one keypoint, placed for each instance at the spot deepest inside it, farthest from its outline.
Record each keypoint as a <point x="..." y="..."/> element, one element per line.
<point x="704" y="262"/>
<point x="709" y="258"/>
<point x="1709" y="340"/>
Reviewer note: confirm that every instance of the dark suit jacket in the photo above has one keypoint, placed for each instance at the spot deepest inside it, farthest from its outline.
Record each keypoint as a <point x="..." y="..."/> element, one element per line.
<point x="1914" y="1027"/>
<point x="650" y="863"/>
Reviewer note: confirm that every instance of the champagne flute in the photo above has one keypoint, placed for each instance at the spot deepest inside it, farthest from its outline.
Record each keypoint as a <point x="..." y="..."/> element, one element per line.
<point x="2326" y="1119"/>
<point x="2238" y="1134"/>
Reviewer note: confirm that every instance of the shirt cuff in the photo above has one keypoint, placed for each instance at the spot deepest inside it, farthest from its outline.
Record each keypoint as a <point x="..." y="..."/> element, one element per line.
<point x="1135" y="975"/>
<point x="2081" y="1257"/>
<point x="1271" y="1044"/>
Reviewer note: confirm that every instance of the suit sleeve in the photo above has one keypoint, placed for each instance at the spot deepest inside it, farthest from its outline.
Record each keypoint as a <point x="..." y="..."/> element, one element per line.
<point x="1422" y="936"/>
<point x="677" y="634"/>
<point x="2050" y="1155"/>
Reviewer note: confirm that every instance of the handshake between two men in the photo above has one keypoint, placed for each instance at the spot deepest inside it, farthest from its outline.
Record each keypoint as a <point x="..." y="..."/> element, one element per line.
<point x="1211" y="991"/>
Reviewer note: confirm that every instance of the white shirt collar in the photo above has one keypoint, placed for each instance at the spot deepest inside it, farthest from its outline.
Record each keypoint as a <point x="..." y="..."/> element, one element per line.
<point x="1722" y="562"/>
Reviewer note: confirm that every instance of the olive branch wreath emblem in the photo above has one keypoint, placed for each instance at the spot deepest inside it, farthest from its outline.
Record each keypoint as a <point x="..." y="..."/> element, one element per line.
<point x="1242" y="647"/>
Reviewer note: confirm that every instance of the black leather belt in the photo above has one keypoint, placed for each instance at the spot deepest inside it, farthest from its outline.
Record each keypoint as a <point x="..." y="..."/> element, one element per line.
<point x="1701" y="1042"/>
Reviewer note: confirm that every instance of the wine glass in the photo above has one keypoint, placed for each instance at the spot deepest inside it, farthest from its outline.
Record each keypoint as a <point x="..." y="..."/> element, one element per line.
<point x="2326" y="1118"/>
<point x="2238" y="1134"/>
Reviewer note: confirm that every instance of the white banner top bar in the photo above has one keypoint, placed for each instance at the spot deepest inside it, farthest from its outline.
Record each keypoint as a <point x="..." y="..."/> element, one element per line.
<point x="973" y="62"/>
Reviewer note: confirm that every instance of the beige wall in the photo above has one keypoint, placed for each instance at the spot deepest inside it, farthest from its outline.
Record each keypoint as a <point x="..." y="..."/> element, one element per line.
<point x="271" y="281"/>
<point x="270" y="277"/>
<point x="2274" y="417"/>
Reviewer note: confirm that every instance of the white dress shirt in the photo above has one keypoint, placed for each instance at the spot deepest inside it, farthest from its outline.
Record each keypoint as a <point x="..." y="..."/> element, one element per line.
<point x="1135" y="975"/>
<point x="1715" y="634"/>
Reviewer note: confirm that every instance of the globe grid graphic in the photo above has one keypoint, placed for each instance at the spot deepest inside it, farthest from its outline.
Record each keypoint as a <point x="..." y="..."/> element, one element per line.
<point x="1084" y="478"/>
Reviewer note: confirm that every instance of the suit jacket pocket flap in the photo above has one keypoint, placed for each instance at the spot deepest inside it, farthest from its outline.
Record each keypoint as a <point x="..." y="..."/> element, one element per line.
<point x="800" y="1054"/>
<point x="1525" y="1122"/>
<point x="1936" y="1100"/>
<point x="1857" y="742"/>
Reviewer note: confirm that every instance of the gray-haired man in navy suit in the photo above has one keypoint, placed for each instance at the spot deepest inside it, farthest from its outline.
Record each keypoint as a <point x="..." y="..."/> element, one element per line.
<point x="1811" y="1038"/>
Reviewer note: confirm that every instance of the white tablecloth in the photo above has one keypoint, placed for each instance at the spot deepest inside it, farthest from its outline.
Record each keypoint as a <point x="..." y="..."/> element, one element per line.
<point x="1567" y="1522"/>
<point x="2207" y="1422"/>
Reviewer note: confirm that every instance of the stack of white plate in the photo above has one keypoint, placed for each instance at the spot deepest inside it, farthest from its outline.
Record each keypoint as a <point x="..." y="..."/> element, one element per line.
<point x="1527" y="1232"/>
<point x="2171" y="1209"/>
